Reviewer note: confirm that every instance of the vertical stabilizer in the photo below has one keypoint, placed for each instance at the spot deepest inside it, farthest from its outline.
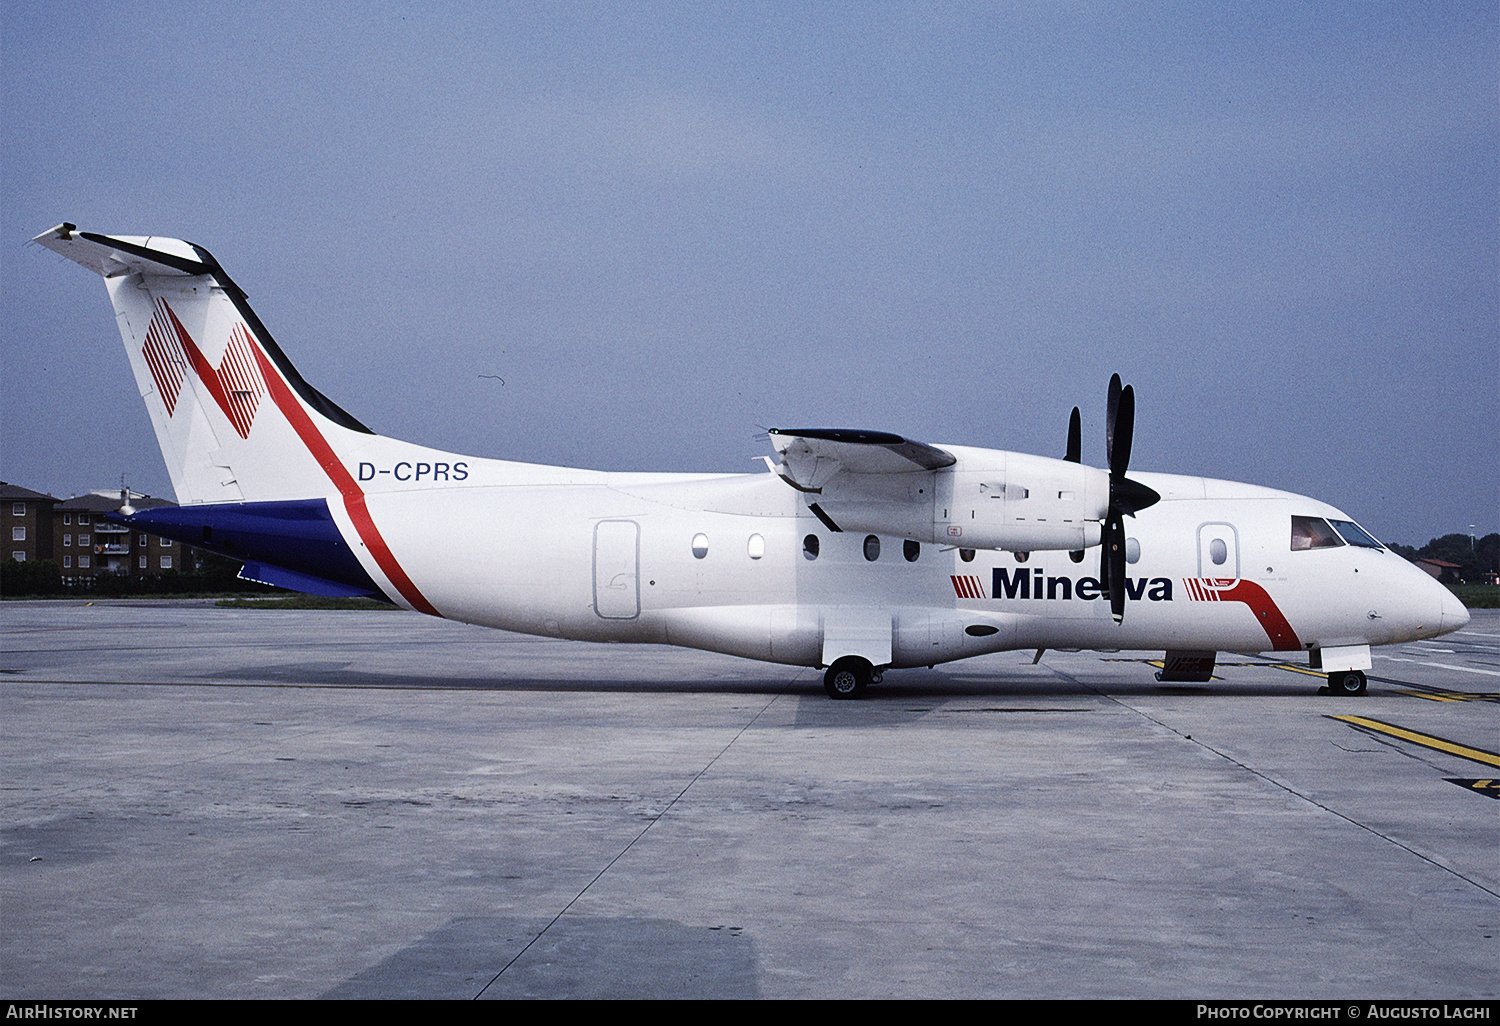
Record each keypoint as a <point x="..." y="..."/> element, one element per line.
<point x="234" y="419"/>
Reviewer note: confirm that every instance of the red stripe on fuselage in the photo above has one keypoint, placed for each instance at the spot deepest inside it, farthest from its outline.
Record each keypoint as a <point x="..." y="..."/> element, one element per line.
<point x="1283" y="638"/>
<point x="1276" y="626"/>
<point x="353" y="495"/>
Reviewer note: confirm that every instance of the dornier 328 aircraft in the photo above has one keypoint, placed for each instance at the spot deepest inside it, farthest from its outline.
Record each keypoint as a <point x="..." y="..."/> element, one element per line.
<point x="859" y="552"/>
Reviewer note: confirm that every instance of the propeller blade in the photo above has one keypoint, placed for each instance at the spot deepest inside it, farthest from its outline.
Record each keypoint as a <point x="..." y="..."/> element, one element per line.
<point x="1075" y="438"/>
<point x="1119" y="457"/>
<point x="1111" y="409"/>
<point x="1115" y="554"/>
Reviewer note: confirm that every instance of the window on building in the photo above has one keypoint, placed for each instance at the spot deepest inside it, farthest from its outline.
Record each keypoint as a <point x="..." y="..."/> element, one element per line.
<point x="166" y="562"/>
<point x="143" y="539"/>
<point x="141" y="562"/>
<point x="18" y="509"/>
<point x="83" y="518"/>
<point x="67" y="562"/>
<point x="18" y="534"/>
<point x="67" y="539"/>
<point x="67" y="518"/>
<point x="83" y="539"/>
<point x="18" y="556"/>
<point x="166" y="543"/>
<point x="83" y="562"/>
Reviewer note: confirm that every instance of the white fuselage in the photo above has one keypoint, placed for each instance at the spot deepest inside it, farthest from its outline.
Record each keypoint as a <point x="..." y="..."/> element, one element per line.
<point x="724" y="563"/>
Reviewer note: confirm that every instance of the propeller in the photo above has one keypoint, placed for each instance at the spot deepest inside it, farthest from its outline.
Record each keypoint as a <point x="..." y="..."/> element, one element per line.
<point x="1126" y="497"/>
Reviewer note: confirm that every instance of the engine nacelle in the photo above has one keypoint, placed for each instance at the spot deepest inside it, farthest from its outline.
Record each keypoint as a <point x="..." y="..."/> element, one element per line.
<point x="992" y="499"/>
<point x="948" y="495"/>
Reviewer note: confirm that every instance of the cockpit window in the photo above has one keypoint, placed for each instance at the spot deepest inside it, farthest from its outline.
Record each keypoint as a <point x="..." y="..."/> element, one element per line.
<point x="1354" y="534"/>
<point x="1313" y="533"/>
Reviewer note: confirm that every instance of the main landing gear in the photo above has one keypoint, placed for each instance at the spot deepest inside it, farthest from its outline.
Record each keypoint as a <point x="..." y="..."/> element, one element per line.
<point x="848" y="677"/>
<point x="1346" y="682"/>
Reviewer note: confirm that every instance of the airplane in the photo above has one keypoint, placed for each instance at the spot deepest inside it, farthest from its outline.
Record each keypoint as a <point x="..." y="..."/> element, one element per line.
<point x="856" y="552"/>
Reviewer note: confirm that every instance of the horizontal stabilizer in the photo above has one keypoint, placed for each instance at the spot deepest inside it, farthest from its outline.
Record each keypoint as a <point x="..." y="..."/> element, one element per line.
<point x="113" y="256"/>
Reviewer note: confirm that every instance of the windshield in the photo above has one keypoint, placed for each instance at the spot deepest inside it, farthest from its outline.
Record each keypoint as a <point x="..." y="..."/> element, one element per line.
<point x="1313" y="533"/>
<point x="1354" y="534"/>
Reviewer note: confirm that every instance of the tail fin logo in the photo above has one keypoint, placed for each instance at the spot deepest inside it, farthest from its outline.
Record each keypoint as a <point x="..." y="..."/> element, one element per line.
<point x="236" y="384"/>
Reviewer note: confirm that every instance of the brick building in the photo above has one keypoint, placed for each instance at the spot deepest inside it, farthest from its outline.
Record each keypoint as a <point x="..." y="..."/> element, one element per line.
<point x="28" y="523"/>
<point x="86" y="545"/>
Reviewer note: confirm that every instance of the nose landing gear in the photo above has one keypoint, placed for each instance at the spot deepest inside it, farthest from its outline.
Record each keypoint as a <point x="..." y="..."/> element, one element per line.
<point x="1347" y="683"/>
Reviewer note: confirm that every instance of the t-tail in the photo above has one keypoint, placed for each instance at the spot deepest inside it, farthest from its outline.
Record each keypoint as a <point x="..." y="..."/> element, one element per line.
<point x="260" y="460"/>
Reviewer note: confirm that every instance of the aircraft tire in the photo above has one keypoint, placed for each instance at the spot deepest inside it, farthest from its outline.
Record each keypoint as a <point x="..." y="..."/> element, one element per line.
<point x="1347" y="683"/>
<point x="848" y="677"/>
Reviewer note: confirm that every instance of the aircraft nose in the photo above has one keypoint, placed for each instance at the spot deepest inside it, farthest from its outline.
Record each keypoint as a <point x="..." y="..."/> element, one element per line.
<point x="1453" y="615"/>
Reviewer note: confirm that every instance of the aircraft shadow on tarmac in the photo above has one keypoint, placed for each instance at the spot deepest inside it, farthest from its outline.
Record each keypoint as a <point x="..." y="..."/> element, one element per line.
<point x="902" y="685"/>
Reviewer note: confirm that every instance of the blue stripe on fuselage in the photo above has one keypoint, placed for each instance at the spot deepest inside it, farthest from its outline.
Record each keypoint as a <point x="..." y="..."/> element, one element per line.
<point x="299" y="536"/>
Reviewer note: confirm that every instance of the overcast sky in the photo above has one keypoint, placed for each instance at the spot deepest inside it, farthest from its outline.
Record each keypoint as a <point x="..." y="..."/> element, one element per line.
<point x="666" y="227"/>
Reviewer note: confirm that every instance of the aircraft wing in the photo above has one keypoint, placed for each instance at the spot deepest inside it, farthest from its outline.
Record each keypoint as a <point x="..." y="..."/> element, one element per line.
<point x="811" y="457"/>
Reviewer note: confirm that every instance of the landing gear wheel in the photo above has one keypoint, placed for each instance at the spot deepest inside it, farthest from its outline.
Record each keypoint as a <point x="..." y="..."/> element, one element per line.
<point x="848" y="677"/>
<point x="1347" y="683"/>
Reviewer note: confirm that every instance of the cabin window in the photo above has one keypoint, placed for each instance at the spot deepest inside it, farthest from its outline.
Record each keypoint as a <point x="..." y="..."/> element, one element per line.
<point x="911" y="550"/>
<point x="967" y="555"/>
<point x="1354" y="534"/>
<point x="700" y="546"/>
<point x="1133" y="551"/>
<point x="1218" y="551"/>
<point x="756" y="547"/>
<point x="1021" y="557"/>
<point x="1313" y="533"/>
<point x="872" y="547"/>
<point x="810" y="547"/>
